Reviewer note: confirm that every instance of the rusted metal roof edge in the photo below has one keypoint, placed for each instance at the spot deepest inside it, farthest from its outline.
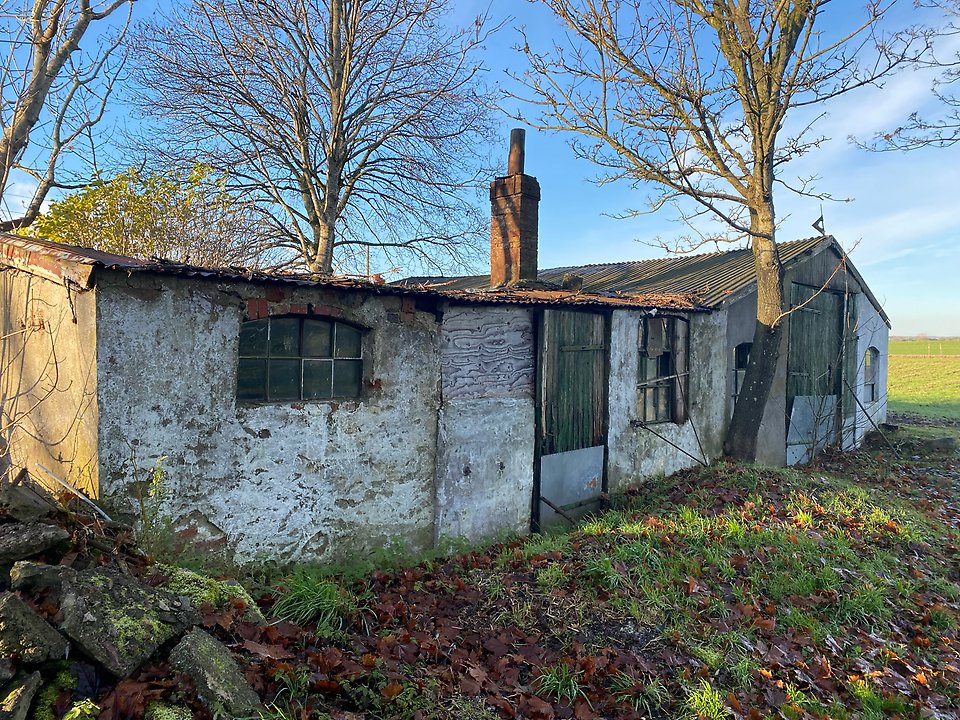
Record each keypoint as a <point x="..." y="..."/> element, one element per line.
<point x="42" y="264"/>
<point x="659" y="301"/>
<point x="78" y="265"/>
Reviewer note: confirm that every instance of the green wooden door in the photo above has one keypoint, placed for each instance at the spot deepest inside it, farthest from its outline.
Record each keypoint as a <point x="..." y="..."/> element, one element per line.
<point x="571" y="416"/>
<point x="815" y="364"/>
<point x="573" y="392"/>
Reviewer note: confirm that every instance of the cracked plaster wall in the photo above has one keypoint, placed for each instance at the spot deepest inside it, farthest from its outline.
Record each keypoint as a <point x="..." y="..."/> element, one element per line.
<point x="636" y="453"/>
<point x="873" y="332"/>
<point x="486" y="443"/>
<point x="299" y="481"/>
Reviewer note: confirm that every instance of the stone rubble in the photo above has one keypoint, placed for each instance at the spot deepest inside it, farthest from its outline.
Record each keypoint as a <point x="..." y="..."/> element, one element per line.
<point x="26" y="635"/>
<point x="215" y="673"/>
<point x="15" y="701"/>
<point x="68" y="598"/>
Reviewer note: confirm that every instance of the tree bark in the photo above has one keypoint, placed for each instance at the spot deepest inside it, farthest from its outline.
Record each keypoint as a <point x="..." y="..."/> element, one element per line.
<point x="744" y="431"/>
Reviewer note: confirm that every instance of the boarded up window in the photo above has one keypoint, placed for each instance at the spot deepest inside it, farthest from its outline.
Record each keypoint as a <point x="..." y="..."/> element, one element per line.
<point x="663" y="370"/>
<point x="296" y="358"/>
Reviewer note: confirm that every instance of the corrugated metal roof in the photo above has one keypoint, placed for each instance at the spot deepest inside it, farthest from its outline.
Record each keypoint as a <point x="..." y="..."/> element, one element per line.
<point x="711" y="278"/>
<point x="76" y="264"/>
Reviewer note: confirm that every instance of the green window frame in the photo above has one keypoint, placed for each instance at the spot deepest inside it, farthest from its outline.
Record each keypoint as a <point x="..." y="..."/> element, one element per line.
<point x="299" y="358"/>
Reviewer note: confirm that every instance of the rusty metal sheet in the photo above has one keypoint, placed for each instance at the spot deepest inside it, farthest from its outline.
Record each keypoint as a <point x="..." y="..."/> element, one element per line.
<point x="711" y="278"/>
<point x="57" y="260"/>
<point x="572" y="481"/>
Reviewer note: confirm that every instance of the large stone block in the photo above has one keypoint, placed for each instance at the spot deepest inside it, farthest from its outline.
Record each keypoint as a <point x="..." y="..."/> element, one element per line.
<point x="215" y="673"/>
<point x="22" y="540"/>
<point x="16" y="700"/>
<point x="26" y="634"/>
<point x="117" y="620"/>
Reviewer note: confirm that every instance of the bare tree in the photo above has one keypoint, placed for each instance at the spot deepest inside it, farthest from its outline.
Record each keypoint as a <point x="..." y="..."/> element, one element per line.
<point x="943" y="129"/>
<point x="691" y="97"/>
<point x="53" y="94"/>
<point x="355" y="122"/>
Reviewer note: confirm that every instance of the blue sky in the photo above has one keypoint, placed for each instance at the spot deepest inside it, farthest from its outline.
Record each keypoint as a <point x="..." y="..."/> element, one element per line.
<point x="903" y="221"/>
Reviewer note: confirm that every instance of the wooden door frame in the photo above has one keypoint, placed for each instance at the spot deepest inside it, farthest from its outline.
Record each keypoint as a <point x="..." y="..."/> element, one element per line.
<point x="539" y="315"/>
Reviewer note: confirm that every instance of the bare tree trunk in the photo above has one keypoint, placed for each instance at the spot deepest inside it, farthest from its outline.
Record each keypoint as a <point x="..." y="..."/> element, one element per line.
<point x="350" y="124"/>
<point x="325" y="237"/>
<point x="36" y="94"/>
<point x="743" y="433"/>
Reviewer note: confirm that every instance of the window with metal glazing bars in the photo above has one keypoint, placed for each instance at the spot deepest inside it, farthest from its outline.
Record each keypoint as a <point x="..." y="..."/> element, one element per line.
<point x="662" y="383"/>
<point x="299" y="358"/>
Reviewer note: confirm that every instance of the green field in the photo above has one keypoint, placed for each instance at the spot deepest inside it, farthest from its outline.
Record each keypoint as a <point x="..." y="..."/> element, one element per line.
<point x="925" y="385"/>
<point x="925" y="346"/>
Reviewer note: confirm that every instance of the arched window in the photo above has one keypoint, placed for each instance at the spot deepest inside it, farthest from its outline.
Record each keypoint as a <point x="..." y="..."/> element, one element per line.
<point x="741" y="356"/>
<point x="299" y="358"/>
<point x="871" y="363"/>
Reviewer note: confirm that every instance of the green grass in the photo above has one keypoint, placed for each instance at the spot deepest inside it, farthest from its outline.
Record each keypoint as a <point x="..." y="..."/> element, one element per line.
<point x="560" y="682"/>
<point x="825" y="592"/>
<point x="925" y="346"/>
<point x="309" y="597"/>
<point x="924" y="385"/>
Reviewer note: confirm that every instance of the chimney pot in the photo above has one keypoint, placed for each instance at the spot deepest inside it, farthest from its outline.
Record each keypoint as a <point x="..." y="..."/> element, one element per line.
<point x="515" y="161"/>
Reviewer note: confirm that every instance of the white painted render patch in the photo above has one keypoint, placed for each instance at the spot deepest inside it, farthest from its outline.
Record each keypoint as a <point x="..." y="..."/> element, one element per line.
<point x="303" y="481"/>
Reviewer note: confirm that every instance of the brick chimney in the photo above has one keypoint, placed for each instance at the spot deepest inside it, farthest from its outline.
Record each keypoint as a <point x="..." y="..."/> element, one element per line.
<point x="514" y="203"/>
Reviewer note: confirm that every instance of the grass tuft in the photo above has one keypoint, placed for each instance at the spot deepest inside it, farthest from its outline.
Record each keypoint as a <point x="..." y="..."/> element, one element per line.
<point x="561" y="682"/>
<point x="309" y="597"/>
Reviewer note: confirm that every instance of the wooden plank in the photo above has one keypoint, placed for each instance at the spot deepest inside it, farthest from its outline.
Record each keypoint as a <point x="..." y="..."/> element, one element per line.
<point x="573" y="382"/>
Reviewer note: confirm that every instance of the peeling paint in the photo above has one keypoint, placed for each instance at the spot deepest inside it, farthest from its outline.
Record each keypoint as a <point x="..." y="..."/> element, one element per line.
<point x="301" y="481"/>
<point x="47" y="377"/>
<point x="636" y="453"/>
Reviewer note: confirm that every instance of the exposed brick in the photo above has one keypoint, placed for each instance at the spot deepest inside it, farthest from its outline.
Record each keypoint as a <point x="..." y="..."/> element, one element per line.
<point x="298" y="308"/>
<point x="275" y="293"/>
<point x="408" y="310"/>
<point x="256" y="308"/>
<point x="514" y="211"/>
<point x="328" y="310"/>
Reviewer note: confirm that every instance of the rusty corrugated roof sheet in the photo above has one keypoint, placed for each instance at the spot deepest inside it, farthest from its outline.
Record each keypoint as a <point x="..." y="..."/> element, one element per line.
<point x="711" y="278"/>
<point x="76" y="264"/>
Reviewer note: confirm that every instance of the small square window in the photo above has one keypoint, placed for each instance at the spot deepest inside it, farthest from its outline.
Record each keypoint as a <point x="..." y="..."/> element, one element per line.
<point x="253" y="338"/>
<point x="251" y="379"/>
<point x="316" y="338"/>
<point x="284" y="379"/>
<point x="317" y="379"/>
<point x="284" y="337"/>
<point x="346" y="377"/>
<point x="347" y="342"/>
